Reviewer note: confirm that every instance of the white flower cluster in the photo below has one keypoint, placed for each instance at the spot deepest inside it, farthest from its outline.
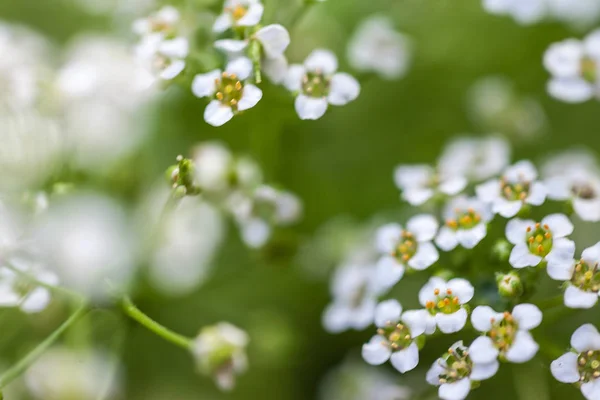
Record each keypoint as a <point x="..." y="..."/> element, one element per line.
<point x="525" y="12"/>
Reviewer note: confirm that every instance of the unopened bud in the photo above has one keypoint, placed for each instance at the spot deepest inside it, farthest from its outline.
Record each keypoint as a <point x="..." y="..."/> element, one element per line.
<point x="509" y="285"/>
<point x="501" y="250"/>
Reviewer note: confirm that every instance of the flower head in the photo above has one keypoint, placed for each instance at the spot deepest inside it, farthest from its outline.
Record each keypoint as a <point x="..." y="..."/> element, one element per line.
<point x="163" y="22"/>
<point x="164" y="58"/>
<point x="445" y="302"/>
<point x="18" y="290"/>
<point x="318" y="84"/>
<point x="239" y="14"/>
<point x="524" y="12"/>
<point x="541" y="241"/>
<point x="420" y="182"/>
<point x="466" y="223"/>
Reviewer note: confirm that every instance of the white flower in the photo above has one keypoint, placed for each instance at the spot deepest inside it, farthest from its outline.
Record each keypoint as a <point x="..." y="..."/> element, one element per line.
<point x="402" y="248"/>
<point x="523" y="11"/>
<point x="542" y="241"/>
<point x="220" y="351"/>
<point x="506" y="334"/>
<point x="164" y="58"/>
<point x="395" y="339"/>
<point x="212" y="166"/>
<point x="516" y="187"/>
<point x="445" y="302"/>
<point x="377" y="47"/>
<point x="582" y="13"/>
<point x="420" y="182"/>
<point x="239" y="13"/>
<point x="574" y="66"/>
<point x="17" y="290"/>
<point x="466" y="223"/>
<point x="318" y="84"/>
<point x="582" y="365"/>
<point x="580" y="185"/>
<point x="475" y="158"/>
<point x="227" y="91"/>
<point x="582" y="278"/>
<point x="163" y="22"/>
<point x="455" y="370"/>
<point x="355" y="293"/>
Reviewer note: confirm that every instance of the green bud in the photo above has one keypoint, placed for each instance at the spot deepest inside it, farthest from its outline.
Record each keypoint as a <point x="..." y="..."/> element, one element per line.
<point x="509" y="285"/>
<point x="501" y="250"/>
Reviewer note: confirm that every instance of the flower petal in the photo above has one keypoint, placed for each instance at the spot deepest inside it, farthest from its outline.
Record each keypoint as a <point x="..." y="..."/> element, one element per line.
<point x="417" y="196"/>
<point x="482" y="316"/>
<point x="274" y="39"/>
<point x="537" y="194"/>
<point x="587" y="210"/>
<point x="335" y="318"/>
<point x="425" y="256"/>
<point x="516" y="230"/>
<point x="343" y="89"/>
<point x="250" y="97"/>
<point x="506" y="208"/>
<point x="591" y="389"/>
<point x="217" y="114"/>
<point x="433" y="374"/>
<point x="310" y="108"/>
<point x="450" y="323"/>
<point x="482" y="350"/>
<point x="462" y="289"/>
<point x="423" y="226"/>
<point x="387" y="237"/>
<point x="453" y="185"/>
<point x="204" y="85"/>
<point x="447" y="239"/>
<point x="563" y="251"/>
<point x="416" y="321"/>
<point x="488" y="191"/>
<point x="564" y="368"/>
<point x="174" y="69"/>
<point x="427" y="292"/>
<point x="253" y="15"/>
<point x="231" y="47"/>
<point x="293" y="79"/>
<point x="577" y="298"/>
<point x="469" y="238"/>
<point x="561" y="271"/>
<point x="389" y="271"/>
<point x="570" y="90"/>
<point x="36" y="301"/>
<point x="591" y="255"/>
<point x="275" y="69"/>
<point x="521" y="257"/>
<point x="586" y="338"/>
<point x="222" y="23"/>
<point x="527" y="316"/>
<point x="241" y="66"/>
<point x="484" y="371"/>
<point x="321" y="61"/>
<point x="458" y="390"/>
<point x="559" y="224"/>
<point x="376" y="352"/>
<point x="410" y="176"/>
<point x="387" y="312"/>
<point x="406" y="359"/>
<point x="523" y="348"/>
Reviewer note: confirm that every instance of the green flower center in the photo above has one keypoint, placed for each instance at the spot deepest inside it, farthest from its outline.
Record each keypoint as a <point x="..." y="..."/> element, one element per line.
<point x="539" y="239"/>
<point x="229" y="90"/>
<point x="503" y="332"/>
<point x="465" y="219"/>
<point x="458" y="365"/>
<point x="586" y="277"/>
<point x="514" y="191"/>
<point x="589" y="70"/>
<point x="589" y="365"/>
<point x="445" y="302"/>
<point x="398" y="335"/>
<point x="315" y="84"/>
<point x="406" y="247"/>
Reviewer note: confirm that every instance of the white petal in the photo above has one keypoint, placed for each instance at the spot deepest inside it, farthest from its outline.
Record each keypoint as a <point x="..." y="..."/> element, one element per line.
<point x="175" y="48"/>
<point x="411" y="176"/>
<point x="563" y="251"/>
<point x="174" y="69"/>
<point x="387" y="312"/>
<point x="343" y="89"/>
<point x="433" y="374"/>
<point x="406" y="359"/>
<point x="253" y="15"/>
<point x="36" y="301"/>
<point x="559" y="188"/>
<point x="241" y="66"/>
<point x="389" y="271"/>
<point x="587" y="210"/>
<point x="323" y="61"/>
<point x="376" y="352"/>
<point x="293" y="79"/>
<point x="482" y="350"/>
<point x="516" y="230"/>
<point x="335" y="318"/>
<point x="527" y="316"/>
<point x="586" y="338"/>
<point x="506" y="208"/>
<point x="563" y="59"/>
<point x="462" y="289"/>
<point x="450" y="323"/>
<point x="255" y="232"/>
<point x="222" y="23"/>
<point x="446" y="239"/>
<point x="484" y="371"/>
<point x="230" y="46"/>
<point x="310" y="107"/>
<point x="537" y="194"/>
<point x="561" y="271"/>
<point x="217" y="114"/>
<point x="387" y="237"/>
<point x="570" y="90"/>
<point x="592" y="254"/>
<point x="425" y="256"/>
<point x="274" y="39"/>
<point x="427" y="291"/>
<point x="417" y="196"/>
<point x="559" y="225"/>
<point x="523" y="348"/>
<point x="458" y="390"/>
<point x="203" y="85"/>
<point x="275" y="69"/>
<point x="521" y="171"/>
<point x="577" y="298"/>
<point x="521" y="257"/>
<point x="8" y="297"/>
<point x="591" y="390"/>
<point x="564" y="368"/>
<point x="488" y="191"/>
<point x="469" y="238"/>
<point x="416" y="321"/>
<point x="250" y="97"/>
<point x="423" y="226"/>
<point x="453" y="185"/>
<point x="482" y="316"/>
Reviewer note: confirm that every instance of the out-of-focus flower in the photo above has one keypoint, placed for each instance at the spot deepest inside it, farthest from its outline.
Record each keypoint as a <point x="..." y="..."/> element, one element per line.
<point x="516" y="187"/>
<point x="377" y="47"/>
<point x="227" y="91"/>
<point x="61" y="374"/>
<point x="582" y="365"/>
<point x="164" y="58"/>
<point x="582" y="13"/>
<point x="455" y="371"/>
<point x="445" y="302"/>
<point x="318" y="85"/>
<point x="20" y="291"/>
<point x="543" y="241"/>
<point x="163" y="22"/>
<point x="419" y="183"/>
<point x="506" y="334"/>
<point x="582" y="278"/>
<point x="396" y="334"/>
<point x="575" y="67"/>
<point x="523" y="11"/>
<point x="466" y="223"/>
<point x="239" y="14"/>
<point x="220" y="352"/>
<point x="477" y="159"/>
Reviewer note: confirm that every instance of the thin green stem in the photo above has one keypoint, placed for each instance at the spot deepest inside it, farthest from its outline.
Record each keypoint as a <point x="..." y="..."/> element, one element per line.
<point x="21" y="366"/>
<point x="136" y="314"/>
<point x="552" y="302"/>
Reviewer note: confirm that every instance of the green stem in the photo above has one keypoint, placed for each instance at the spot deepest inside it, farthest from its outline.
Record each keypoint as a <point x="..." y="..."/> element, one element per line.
<point x="20" y="367"/>
<point x="136" y="314"/>
<point x="552" y="302"/>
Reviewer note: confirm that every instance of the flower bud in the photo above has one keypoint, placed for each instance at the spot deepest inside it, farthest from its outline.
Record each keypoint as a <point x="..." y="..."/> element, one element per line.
<point x="501" y="250"/>
<point x="509" y="285"/>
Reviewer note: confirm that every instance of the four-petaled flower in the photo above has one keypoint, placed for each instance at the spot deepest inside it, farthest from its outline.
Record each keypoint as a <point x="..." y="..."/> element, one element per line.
<point x="445" y="302"/>
<point x="466" y="223"/>
<point x="420" y="182"/>
<point x="239" y="14"/>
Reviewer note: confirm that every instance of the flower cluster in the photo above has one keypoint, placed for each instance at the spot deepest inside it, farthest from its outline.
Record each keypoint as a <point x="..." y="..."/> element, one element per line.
<point x="526" y="12"/>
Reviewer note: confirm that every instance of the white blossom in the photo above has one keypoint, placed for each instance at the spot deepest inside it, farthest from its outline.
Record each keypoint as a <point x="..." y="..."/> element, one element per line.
<point x="212" y="166"/>
<point x="419" y="183"/>
<point x="318" y="84"/>
<point x="163" y="58"/>
<point x="445" y="303"/>
<point x="17" y="289"/>
<point x="466" y="223"/>
<point x="523" y="11"/>
<point x="163" y="22"/>
<point x="239" y="14"/>
<point x="582" y="13"/>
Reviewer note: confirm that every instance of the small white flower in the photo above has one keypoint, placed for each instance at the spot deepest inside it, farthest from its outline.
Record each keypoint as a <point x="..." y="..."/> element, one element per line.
<point x="455" y="370"/>
<point x="445" y="302"/>
<point x="377" y="47"/>
<point x="581" y="186"/>
<point x="517" y="186"/>
<point x="582" y="278"/>
<point x="506" y="334"/>
<point x="542" y="241"/>
<point x="163" y="22"/>
<point x="239" y="14"/>
<point x="475" y="158"/>
<point x="227" y="91"/>
<point x="212" y="166"/>
<point x="18" y="290"/>
<point x="582" y="365"/>
<point x="395" y="339"/>
<point x="164" y="58"/>
<point x="523" y="11"/>
<point x="420" y="182"/>
<point x="583" y="13"/>
<point x="402" y="248"/>
<point x="220" y="351"/>
<point x="318" y="85"/>
<point x="466" y="223"/>
<point x="574" y="66"/>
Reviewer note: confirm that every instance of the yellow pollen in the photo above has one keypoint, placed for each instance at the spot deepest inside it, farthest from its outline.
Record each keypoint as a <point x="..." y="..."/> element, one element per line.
<point x="380" y="331"/>
<point x="546" y="227"/>
<point x="588" y="275"/>
<point x="448" y="291"/>
<point x="238" y="85"/>
<point x="528" y="229"/>
<point x="590" y="353"/>
<point x="436" y="291"/>
<point x="429" y="304"/>
<point x="446" y="301"/>
<point x="539" y="238"/>
<point x="233" y="102"/>
<point x="537" y="225"/>
<point x="238" y="12"/>
<point x="441" y="304"/>
<point x="228" y="89"/>
<point x="523" y="195"/>
<point x="219" y="96"/>
<point x="531" y="239"/>
<point x="547" y="235"/>
<point x="540" y="249"/>
<point x="405" y="257"/>
<point x="455" y="300"/>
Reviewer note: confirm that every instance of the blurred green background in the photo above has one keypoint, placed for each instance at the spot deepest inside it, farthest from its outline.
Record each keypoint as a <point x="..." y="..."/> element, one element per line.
<point x="339" y="165"/>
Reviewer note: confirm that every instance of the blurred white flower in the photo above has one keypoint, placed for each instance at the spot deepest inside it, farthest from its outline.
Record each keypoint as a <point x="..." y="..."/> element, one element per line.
<point x="227" y="91"/>
<point x="318" y="84"/>
<point x="506" y="334"/>
<point x="239" y="14"/>
<point x="582" y="13"/>
<point x="62" y="373"/>
<point x="582" y="365"/>
<point x="523" y="11"/>
<point x="466" y="223"/>
<point x="220" y="352"/>
<point x="212" y="166"/>
<point x="163" y="22"/>
<point x="163" y="58"/>
<point x="396" y="334"/>
<point x="377" y="47"/>
<point x="17" y="290"/>
<point x="420" y="182"/>
<point x="445" y="302"/>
